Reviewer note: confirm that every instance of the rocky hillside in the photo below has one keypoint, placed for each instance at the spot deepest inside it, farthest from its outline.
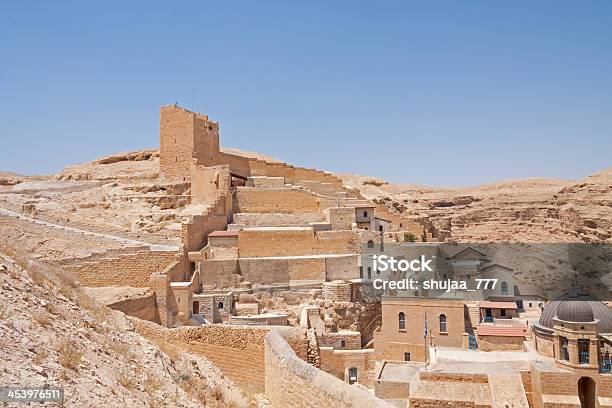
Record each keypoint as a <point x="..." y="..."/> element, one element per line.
<point x="530" y="210"/>
<point x="53" y="334"/>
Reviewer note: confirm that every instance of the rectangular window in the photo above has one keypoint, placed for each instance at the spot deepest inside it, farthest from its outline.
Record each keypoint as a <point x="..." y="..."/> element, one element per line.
<point x="406" y="356"/>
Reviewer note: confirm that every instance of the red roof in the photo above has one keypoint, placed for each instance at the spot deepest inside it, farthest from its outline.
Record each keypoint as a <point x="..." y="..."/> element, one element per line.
<point x="502" y="331"/>
<point x="364" y="205"/>
<point x="223" y="234"/>
<point x="497" y="305"/>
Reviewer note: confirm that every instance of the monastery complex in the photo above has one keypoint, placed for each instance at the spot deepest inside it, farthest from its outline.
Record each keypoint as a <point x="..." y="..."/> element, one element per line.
<point x="273" y="283"/>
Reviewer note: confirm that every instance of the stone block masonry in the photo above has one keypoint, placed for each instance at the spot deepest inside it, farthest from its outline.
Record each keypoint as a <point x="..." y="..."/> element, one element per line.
<point x="130" y="269"/>
<point x="185" y="137"/>
<point x="237" y="350"/>
<point x="291" y="382"/>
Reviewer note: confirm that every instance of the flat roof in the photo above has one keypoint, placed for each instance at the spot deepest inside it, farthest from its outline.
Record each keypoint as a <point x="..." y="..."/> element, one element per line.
<point x="223" y="234"/>
<point x="502" y="331"/>
<point x="363" y="205"/>
<point x="497" y="305"/>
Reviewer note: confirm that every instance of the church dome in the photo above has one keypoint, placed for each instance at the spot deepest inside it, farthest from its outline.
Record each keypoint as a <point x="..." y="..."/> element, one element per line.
<point x="577" y="307"/>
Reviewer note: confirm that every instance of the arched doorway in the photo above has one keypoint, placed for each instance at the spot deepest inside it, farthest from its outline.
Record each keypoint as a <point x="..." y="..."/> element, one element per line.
<point x="586" y="392"/>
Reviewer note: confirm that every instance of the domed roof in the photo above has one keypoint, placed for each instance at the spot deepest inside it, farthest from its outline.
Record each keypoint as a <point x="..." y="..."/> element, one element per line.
<point x="577" y="307"/>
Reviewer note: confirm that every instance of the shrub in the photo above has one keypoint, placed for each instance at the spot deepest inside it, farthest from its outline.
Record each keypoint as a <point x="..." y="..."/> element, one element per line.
<point x="69" y="356"/>
<point x="40" y="356"/>
<point x="375" y="183"/>
<point x="409" y="237"/>
<point x="126" y="379"/>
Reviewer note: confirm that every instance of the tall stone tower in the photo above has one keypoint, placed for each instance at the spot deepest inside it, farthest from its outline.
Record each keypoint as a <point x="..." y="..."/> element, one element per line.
<point x="185" y="137"/>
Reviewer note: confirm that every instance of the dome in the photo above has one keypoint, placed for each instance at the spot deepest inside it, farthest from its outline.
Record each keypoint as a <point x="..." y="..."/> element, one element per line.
<point x="577" y="307"/>
<point x="575" y="311"/>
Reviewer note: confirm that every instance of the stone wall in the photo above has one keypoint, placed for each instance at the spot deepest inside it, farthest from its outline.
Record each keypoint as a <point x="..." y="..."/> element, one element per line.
<point x="291" y="382"/>
<point x="278" y="200"/>
<point x="207" y="183"/>
<point x="130" y="269"/>
<point x="338" y="362"/>
<point x="337" y="291"/>
<point x="391" y="342"/>
<point x="340" y="218"/>
<point x="237" y="350"/>
<point x="219" y="273"/>
<point x="264" y="242"/>
<point x="185" y="137"/>
<point x="500" y="343"/>
<point x="276" y="219"/>
<point x="270" y="319"/>
<point x="215" y="218"/>
<point x="263" y="181"/>
<point x="352" y="340"/>
<point x="144" y="307"/>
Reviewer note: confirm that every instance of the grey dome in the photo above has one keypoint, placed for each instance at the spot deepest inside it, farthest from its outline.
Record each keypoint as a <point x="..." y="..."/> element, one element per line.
<point x="577" y="307"/>
<point x="575" y="311"/>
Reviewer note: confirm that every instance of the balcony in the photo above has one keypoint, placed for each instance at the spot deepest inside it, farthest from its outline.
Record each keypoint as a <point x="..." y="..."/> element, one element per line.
<point x="606" y="366"/>
<point x="583" y="357"/>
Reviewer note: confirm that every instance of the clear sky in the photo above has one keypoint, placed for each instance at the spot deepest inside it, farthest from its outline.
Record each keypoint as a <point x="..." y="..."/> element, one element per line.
<point x="436" y="93"/>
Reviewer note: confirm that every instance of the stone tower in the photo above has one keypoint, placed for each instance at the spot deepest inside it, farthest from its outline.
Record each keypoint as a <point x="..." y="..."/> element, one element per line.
<point x="186" y="137"/>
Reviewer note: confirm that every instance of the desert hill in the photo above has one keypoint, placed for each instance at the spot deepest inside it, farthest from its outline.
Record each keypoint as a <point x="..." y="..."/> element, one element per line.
<point x="528" y="210"/>
<point x="53" y="334"/>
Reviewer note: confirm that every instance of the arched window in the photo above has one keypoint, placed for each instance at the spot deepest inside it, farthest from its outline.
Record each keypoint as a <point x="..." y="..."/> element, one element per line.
<point x="504" y="288"/>
<point x="365" y="213"/>
<point x="370" y="244"/>
<point x="442" y="323"/>
<point x="401" y="318"/>
<point x="220" y="305"/>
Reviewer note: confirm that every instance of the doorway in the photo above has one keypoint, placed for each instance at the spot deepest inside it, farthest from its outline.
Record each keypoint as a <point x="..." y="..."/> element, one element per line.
<point x="196" y="307"/>
<point x="586" y="392"/>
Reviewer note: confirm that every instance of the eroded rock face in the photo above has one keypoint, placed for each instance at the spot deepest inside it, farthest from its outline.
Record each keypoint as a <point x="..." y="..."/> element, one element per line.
<point x="530" y="210"/>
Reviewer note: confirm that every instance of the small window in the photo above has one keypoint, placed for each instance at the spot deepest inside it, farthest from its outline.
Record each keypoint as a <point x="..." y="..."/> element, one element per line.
<point x="401" y="321"/>
<point x="366" y="228"/>
<point x="406" y="356"/>
<point x="220" y="305"/>
<point x="442" y="323"/>
<point x="401" y="227"/>
<point x="352" y="375"/>
<point x="504" y="288"/>
<point x="343" y="343"/>
<point x="530" y="304"/>
<point x="370" y="243"/>
<point x="369" y="272"/>
<point x="502" y="312"/>
<point x="380" y="228"/>
<point x="361" y="272"/>
<point x="365" y="213"/>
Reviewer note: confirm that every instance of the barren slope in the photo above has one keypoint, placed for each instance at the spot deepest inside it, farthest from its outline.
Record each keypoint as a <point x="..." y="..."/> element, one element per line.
<point x="53" y="334"/>
<point x="530" y="210"/>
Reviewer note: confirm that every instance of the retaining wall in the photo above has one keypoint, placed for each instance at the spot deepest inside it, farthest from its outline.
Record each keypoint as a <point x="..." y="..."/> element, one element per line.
<point x="291" y="382"/>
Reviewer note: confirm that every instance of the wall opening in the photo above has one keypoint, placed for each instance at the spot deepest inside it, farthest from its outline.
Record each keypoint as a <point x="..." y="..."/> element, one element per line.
<point x="401" y="321"/>
<point x="586" y="392"/>
<point x="196" y="307"/>
<point x="352" y="375"/>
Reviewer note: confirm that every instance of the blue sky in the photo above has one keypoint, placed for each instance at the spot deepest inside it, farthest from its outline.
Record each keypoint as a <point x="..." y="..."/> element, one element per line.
<point x="435" y="93"/>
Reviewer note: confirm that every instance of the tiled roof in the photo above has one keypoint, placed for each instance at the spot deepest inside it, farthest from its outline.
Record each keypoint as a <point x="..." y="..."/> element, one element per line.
<point x="502" y="331"/>
<point x="223" y="234"/>
<point x="496" y="305"/>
